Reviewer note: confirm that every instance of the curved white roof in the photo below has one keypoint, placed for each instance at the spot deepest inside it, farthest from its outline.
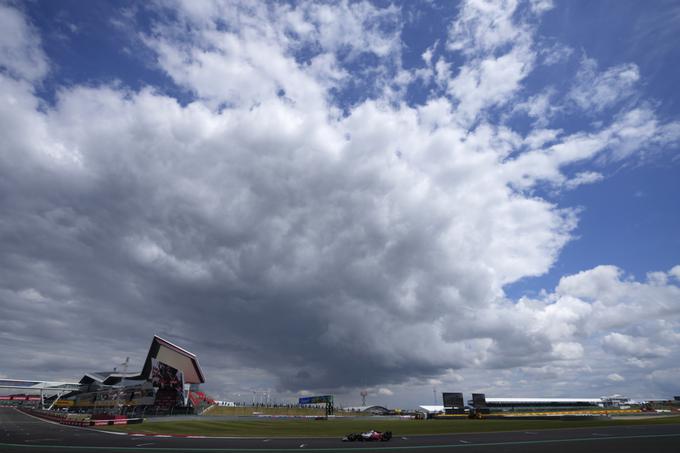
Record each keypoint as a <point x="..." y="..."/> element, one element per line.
<point x="365" y="408"/>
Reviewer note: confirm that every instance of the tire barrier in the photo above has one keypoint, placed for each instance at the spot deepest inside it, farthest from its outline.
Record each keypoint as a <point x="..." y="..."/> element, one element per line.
<point x="81" y="420"/>
<point x="590" y="412"/>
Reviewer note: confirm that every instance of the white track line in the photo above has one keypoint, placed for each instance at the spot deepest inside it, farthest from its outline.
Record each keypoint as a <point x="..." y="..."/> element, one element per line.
<point x="107" y="432"/>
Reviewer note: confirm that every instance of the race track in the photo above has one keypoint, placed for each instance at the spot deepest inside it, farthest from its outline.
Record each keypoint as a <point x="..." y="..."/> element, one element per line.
<point x="22" y="433"/>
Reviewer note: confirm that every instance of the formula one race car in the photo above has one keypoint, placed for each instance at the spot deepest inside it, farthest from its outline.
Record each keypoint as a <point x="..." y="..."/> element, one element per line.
<point x="368" y="436"/>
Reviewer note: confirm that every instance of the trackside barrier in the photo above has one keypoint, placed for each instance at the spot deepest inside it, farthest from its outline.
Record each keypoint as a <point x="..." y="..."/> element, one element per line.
<point x="565" y="414"/>
<point x="127" y="421"/>
<point x="577" y="413"/>
<point x="80" y="419"/>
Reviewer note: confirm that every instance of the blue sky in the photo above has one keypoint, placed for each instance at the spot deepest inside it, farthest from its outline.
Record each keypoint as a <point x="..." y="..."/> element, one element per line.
<point x="262" y="183"/>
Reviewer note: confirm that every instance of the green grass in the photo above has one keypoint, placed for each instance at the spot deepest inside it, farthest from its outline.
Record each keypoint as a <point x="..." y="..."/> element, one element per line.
<point x="250" y="410"/>
<point x="332" y="428"/>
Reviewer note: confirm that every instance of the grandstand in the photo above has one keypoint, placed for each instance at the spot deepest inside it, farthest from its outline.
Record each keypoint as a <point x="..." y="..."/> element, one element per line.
<point x="167" y="384"/>
<point x="200" y="401"/>
<point x="490" y="405"/>
<point x="537" y="404"/>
<point x="18" y="392"/>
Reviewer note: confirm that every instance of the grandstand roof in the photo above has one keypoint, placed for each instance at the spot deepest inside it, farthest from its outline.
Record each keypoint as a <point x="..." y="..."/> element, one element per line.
<point x="14" y="388"/>
<point x="23" y="384"/>
<point x="178" y="358"/>
<point x="162" y="350"/>
<point x="544" y="400"/>
<point x="106" y="377"/>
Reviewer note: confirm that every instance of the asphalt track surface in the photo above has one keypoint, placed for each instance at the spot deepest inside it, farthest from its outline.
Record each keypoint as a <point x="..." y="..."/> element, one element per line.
<point x="22" y="433"/>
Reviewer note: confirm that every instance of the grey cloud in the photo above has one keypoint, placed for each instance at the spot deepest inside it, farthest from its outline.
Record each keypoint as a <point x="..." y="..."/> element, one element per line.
<point x="21" y="54"/>
<point x="280" y="257"/>
<point x="629" y="346"/>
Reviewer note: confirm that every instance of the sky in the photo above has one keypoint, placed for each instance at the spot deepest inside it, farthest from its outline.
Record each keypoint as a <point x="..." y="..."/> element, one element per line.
<point x="325" y="197"/>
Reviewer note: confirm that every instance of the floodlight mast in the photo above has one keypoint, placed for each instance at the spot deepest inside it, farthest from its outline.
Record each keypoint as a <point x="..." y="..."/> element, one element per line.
<point x="364" y="394"/>
<point x="330" y="409"/>
<point x="120" y="386"/>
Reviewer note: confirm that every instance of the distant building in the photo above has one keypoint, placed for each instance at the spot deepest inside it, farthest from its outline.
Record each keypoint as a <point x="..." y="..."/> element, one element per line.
<point x="543" y="404"/>
<point x="374" y="410"/>
<point x="430" y="410"/>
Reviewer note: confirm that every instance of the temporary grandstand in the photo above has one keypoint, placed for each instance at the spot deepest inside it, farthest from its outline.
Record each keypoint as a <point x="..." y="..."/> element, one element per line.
<point x="168" y="383"/>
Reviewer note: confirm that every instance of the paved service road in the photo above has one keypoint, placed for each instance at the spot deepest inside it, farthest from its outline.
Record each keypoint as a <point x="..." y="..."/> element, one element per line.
<point x="22" y="433"/>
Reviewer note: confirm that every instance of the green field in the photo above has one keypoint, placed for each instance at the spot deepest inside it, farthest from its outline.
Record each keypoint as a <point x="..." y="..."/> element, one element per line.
<point x="333" y="428"/>
<point x="252" y="410"/>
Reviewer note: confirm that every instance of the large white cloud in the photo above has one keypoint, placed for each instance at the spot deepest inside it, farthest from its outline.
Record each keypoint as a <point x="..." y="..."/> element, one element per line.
<point x="302" y="243"/>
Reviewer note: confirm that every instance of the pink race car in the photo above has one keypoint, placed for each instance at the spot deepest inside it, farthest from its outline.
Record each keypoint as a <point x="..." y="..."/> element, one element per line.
<point x="368" y="436"/>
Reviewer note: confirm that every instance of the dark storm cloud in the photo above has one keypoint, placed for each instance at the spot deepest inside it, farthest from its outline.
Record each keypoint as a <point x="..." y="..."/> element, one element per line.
<point x="278" y="265"/>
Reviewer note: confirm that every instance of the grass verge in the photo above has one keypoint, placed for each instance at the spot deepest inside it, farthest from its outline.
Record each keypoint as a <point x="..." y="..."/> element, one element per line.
<point x="332" y="428"/>
<point x="240" y="411"/>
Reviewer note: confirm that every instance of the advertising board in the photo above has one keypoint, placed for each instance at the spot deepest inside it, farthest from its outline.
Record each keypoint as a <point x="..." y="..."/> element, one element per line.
<point x="322" y="399"/>
<point x="453" y="403"/>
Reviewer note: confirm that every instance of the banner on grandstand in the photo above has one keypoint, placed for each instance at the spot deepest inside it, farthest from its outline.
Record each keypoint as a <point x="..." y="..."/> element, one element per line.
<point x="166" y="377"/>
